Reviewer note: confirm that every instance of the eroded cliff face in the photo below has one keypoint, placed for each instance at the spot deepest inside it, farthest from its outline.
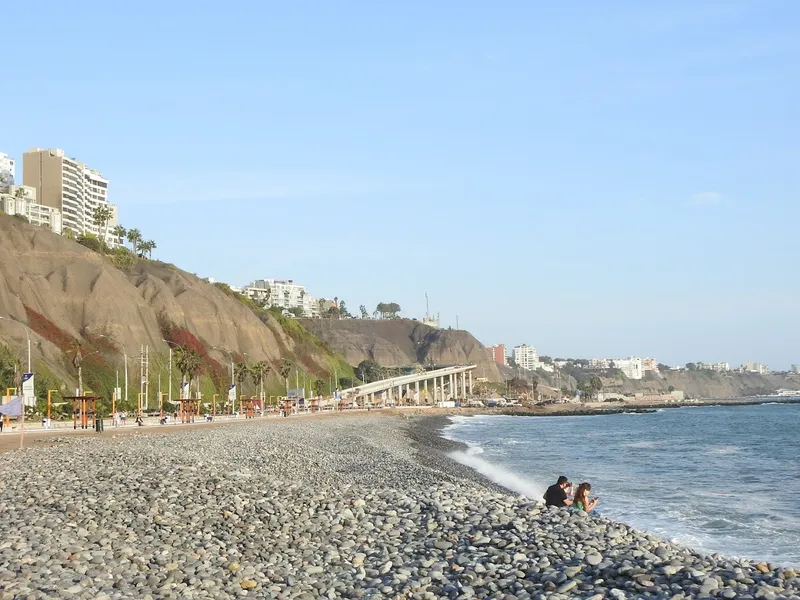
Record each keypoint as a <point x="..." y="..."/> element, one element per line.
<point x="702" y="384"/>
<point x="63" y="291"/>
<point x="402" y="342"/>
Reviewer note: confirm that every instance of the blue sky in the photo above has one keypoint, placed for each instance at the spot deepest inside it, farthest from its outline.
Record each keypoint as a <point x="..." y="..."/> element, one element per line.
<point x="603" y="179"/>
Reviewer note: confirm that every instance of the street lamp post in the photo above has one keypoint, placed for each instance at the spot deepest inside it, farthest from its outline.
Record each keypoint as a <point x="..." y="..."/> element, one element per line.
<point x="169" y="397"/>
<point x="125" y="357"/>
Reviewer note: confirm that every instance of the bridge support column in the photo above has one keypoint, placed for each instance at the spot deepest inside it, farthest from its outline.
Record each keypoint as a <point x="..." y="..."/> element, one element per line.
<point x="435" y="390"/>
<point x="470" y="384"/>
<point x="416" y="393"/>
<point x="463" y="385"/>
<point x="452" y="386"/>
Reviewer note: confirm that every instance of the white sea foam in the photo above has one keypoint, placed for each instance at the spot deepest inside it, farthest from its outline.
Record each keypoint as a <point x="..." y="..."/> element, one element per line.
<point x="498" y="475"/>
<point x="724" y="450"/>
<point x="646" y="444"/>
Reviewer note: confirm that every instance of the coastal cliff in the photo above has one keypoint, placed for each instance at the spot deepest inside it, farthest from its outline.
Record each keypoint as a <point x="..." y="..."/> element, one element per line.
<point x="64" y="292"/>
<point x="403" y="342"/>
<point x="704" y="384"/>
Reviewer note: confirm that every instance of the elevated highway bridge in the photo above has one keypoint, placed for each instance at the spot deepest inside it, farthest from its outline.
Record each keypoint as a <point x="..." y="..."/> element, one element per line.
<point x="429" y="387"/>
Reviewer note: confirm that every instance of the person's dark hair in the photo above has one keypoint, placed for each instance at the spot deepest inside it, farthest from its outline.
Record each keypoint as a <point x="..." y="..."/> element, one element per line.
<point x="582" y="494"/>
<point x="561" y="480"/>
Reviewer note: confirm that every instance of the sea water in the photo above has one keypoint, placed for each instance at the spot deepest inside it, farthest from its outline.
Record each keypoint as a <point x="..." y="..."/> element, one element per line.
<point x="716" y="479"/>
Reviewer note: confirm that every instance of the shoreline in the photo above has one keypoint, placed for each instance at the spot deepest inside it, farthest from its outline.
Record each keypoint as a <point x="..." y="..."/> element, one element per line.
<point x="369" y="506"/>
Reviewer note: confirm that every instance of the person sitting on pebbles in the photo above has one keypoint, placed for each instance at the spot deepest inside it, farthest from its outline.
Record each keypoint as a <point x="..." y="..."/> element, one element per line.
<point x="558" y="493"/>
<point x="581" y="499"/>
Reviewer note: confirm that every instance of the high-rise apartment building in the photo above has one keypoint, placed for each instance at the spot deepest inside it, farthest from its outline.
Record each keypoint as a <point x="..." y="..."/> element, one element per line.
<point x="525" y="357"/>
<point x="72" y="187"/>
<point x="7" y="171"/>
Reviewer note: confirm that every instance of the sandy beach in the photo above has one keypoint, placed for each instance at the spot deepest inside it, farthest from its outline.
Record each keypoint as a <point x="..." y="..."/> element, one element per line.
<point x="363" y="506"/>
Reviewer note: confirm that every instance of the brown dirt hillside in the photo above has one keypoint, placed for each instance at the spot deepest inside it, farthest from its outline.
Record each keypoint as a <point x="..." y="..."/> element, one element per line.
<point x="63" y="291"/>
<point x="706" y="384"/>
<point x="402" y="342"/>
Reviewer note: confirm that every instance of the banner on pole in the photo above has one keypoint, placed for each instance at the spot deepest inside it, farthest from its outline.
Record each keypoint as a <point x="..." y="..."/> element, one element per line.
<point x="185" y="390"/>
<point x="27" y="389"/>
<point x="232" y="393"/>
<point x="12" y="408"/>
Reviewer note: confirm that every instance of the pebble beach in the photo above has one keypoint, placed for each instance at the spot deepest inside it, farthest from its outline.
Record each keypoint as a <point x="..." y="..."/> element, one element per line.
<point x="356" y="507"/>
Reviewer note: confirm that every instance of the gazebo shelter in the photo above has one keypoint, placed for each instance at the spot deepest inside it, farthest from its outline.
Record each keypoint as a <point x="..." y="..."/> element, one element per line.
<point x="249" y="406"/>
<point x="84" y="411"/>
<point x="288" y="406"/>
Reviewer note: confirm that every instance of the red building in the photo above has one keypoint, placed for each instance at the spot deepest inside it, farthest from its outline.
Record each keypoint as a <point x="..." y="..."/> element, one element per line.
<point x="498" y="353"/>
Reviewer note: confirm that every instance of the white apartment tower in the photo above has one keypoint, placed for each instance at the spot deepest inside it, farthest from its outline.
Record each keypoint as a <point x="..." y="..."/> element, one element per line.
<point x="70" y="186"/>
<point x="525" y="356"/>
<point x="7" y="170"/>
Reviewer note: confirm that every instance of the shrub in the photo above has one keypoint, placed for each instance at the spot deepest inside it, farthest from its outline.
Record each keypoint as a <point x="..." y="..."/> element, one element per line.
<point x="90" y="241"/>
<point x="122" y="258"/>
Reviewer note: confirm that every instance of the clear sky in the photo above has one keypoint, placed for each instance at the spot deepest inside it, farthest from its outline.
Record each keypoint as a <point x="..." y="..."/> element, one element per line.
<point x="592" y="178"/>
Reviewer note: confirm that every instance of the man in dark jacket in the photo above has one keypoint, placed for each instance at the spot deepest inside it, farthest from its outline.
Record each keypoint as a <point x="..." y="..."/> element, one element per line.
<point x="556" y="494"/>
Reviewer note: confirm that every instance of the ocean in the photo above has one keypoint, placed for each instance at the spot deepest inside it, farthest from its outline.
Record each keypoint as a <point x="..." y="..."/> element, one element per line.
<point x="716" y="479"/>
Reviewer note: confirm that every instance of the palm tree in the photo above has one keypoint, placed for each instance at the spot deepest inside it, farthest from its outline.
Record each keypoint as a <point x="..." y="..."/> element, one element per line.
<point x="119" y="233"/>
<point x="319" y="387"/>
<point x="241" y="372"/>
<point x="286" y="368"/>
<point x="151" y="245"/>
<point x="134" y="237"/>
<point x="101" y="216"/>
<point x="259" y="372"/>
<point x="189" y="362"/>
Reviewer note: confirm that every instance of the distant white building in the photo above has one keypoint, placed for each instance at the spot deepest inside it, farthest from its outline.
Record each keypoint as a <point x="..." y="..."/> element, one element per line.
<point x="754" y="367"/>
<point x="720" y="367"/>
<point x="632" y="367"/>
<point x="525" y="356"/>
<point x="283" y="293"/>
<point x="7" y="171"/>
<point x="21" y="200"/>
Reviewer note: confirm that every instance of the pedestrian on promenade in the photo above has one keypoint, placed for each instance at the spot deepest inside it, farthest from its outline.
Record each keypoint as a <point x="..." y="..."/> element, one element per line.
<point x="556" y="494"/>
